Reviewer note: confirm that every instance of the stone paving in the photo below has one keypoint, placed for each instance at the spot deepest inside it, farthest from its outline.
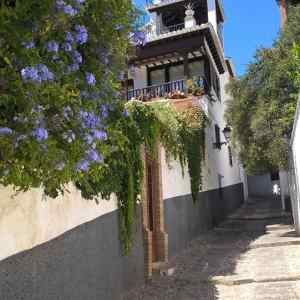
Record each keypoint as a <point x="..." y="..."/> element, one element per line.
<point x="254" y="254"/>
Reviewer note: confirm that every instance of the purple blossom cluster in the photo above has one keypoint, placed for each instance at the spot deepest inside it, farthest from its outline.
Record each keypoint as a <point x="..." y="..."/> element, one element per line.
<point x="90" y="79"/>
<point x="100" y="135"/>
<point x="81" y="35"/>
<point x="5" y="131"/>
<point x="83" y="165"/>
<point x="68" y="9"/>
<point x="69" y="37"/>
<point x="92" y="156"/>
<point x="125" y="113"/>
<point x="77" y="57"/>
<point x="138" y="38"/>
<point x="67" y="47"/>
<point x="90" y="120"/>
<point x="29" y="45"/>
<point x="92" y="128"/>
<point x="52" y="46"/>
<point x="38" y="73"/>
<point x="104" y="109"/>
<point x="40" y="134"/>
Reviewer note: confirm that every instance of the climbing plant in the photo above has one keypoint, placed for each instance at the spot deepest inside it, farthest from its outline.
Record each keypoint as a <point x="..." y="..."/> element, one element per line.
<point x="194" y="122"/>
<point x="182" y="135"/>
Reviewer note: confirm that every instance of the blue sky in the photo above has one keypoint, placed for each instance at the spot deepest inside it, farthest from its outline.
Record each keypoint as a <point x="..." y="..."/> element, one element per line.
<point x="249" y="24"/>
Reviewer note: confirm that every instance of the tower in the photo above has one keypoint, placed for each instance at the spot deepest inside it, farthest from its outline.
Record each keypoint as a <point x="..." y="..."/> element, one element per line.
<point x="183" y="39"/>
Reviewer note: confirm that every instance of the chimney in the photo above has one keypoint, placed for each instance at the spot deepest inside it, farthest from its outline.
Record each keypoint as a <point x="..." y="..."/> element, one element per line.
<point x="283" y="7"/>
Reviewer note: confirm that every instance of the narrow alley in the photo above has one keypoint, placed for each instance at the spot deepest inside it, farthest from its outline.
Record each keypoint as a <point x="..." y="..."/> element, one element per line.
<point x="254" y="254"/>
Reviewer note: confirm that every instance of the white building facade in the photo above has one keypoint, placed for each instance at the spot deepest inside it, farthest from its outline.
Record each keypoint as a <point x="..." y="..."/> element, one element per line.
<point x="183" y="43"/>
<point x="68" y="248"/>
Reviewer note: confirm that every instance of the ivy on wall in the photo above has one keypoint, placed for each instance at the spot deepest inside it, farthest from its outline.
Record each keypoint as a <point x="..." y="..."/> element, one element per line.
<point x="194" y="122"/>
<point x="61" y="117"/>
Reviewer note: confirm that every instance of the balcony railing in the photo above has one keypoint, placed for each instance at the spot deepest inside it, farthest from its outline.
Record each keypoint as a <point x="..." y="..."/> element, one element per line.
<point x="150" y="3"/>
<point x="157" y="91"/>
<point x="153" y="31"/>
<point x="171" y="90"/>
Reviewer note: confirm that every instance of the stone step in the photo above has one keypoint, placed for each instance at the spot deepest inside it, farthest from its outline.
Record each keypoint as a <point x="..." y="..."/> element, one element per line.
<point x="260" y="216"/>
<point x="243" y="225"/>
<point x="239" y="280"/>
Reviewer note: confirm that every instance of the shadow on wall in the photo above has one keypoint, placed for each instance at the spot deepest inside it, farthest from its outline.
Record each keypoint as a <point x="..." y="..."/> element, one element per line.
<point x="84" y="263"/>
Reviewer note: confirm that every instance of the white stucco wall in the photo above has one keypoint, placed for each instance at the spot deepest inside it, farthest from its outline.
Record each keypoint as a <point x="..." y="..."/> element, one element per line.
<point x="217" y="171"/>
<point x="212" y="15"/>
<point x="295" y="178"/>
<point x="30" y="219"/>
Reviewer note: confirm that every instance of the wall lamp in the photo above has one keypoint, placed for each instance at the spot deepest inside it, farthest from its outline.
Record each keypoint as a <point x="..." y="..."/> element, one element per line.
<point x="227" y="134"/>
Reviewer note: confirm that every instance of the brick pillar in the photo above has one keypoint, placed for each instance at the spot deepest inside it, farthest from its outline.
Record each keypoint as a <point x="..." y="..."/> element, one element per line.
<point x="161" y="236"/>
<point x="147" y="252"/>
<point x="147" y="234"/>
<point x="156" y="240"/>
<point x="283" y="7"/>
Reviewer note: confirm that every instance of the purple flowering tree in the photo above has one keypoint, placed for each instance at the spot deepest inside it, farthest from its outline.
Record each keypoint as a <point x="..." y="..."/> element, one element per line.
<point x="61" y="116"/>
<point x="59" y="93"/>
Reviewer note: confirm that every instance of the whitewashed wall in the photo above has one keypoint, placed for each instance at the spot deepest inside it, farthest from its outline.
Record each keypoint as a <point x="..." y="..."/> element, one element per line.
<point x="295" y="170"/>
<point x="217" y="171"/>
<point x="30" y="219"/>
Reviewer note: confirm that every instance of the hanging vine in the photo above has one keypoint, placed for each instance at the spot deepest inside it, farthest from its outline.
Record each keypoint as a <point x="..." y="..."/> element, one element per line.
<point x="194" y="123"/>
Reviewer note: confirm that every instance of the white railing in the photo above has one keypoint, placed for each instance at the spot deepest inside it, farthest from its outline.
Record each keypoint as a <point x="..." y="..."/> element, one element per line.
<point x="150" y="3"/>
<point x="153" y="31"/>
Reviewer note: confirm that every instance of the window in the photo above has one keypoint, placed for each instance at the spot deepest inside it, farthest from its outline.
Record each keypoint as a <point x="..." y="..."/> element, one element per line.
<point x="196" y="68"/>
<point x="157" y="76"/>
<point x="176" y="72"/>
<point x="218" y="138"/>
<point x="230" y="156"/>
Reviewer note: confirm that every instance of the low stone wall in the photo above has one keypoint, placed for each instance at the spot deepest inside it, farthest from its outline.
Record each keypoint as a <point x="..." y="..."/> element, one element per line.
<point x="185" y="220"/>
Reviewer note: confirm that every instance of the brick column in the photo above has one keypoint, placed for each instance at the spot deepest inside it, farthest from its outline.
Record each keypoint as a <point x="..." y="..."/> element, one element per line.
<point x="147" y="234"/>
<point x="159" y="223"/>
<point x="157" y="240"/>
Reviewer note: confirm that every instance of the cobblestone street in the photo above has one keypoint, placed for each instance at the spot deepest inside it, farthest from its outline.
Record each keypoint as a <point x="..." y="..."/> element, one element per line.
<point x="254" y="254"/>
